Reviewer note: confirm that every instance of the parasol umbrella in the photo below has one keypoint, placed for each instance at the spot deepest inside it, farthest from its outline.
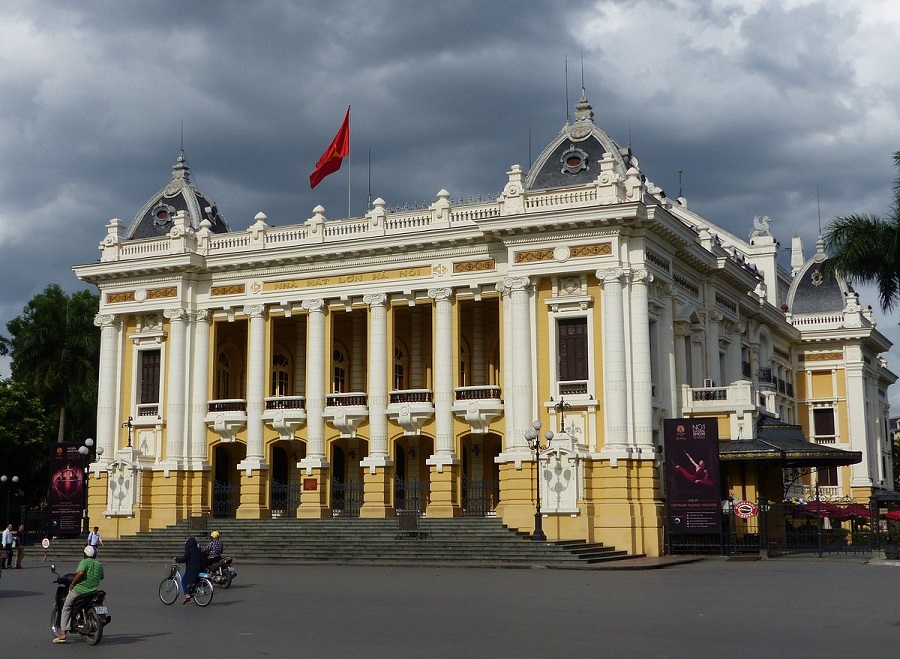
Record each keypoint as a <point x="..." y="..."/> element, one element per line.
<point x="892" y="514"/>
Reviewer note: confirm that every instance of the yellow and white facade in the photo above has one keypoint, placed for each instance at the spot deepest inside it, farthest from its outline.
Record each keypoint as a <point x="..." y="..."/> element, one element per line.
<point x="415" y="349"/>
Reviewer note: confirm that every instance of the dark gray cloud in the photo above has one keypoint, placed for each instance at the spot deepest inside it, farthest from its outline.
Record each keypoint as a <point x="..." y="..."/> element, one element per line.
<point x="775" y="107"/>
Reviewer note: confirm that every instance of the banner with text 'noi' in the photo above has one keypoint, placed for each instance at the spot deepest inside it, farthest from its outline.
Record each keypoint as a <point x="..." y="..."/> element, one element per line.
<point x="692" y="475"/>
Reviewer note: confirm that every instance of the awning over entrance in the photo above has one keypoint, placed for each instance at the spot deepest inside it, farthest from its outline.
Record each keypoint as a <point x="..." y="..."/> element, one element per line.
<point x="786" y="443"/>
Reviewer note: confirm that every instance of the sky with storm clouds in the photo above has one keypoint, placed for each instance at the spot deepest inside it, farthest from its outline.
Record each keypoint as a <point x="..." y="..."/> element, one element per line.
<point x="785" y="108"/>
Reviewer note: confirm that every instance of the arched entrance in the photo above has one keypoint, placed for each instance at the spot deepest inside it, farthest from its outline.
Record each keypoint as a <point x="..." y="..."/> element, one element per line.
<point x="346" y="482"/>
<point x="284" y="480"/>
<point x="226" y="493"/>
<point x="411" y="483"/>
<point x="480" y="475"/>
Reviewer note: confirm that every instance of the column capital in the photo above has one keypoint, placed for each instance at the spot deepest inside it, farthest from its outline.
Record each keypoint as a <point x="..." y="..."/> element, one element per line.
<point x="642" y="277"/>
<point x="610" y="275"/>
<point x="175" y="315"/>
<point x="255" y="310"/>
<point x="315" y="305"/>
<point x="201" y="315"/>
<point x="509" y="285"/>
<point x="104" y="320"/>
<point x="440" y="294"/>
<point x="375" y="299"/>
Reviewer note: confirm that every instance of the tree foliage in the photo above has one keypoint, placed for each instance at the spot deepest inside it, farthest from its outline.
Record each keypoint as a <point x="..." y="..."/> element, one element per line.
<point x="866" y="248"/>
<point x="24" y="429"/>
<point x="55" y="350"/>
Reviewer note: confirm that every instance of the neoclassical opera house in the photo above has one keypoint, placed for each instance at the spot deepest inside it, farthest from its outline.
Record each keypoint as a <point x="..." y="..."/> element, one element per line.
<point x="353" y="367"/>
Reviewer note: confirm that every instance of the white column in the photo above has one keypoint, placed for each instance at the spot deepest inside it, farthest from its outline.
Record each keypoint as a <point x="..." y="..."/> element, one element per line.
<point x="712" y="347"/>
<point x="521" y="390"/>
<point x="175" y="386"/>
<point x="641" y="368"/>
<point x="378" y="378"/>
<point x="256" y="388"/>
<point x="509" y="424"/>
<point x="200" y="387"/>
<point x="667" y="351"/>
<point x="316" y="376"/>
<point x="860" y="475"/>
<point x="299" y="359"/>
<point x="443" y="375"/>
<point x="107" y="406"/>
<point x="614" y="371"/>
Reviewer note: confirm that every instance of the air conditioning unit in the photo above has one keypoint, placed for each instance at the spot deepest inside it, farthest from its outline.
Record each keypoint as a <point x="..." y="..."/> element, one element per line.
<point x="709" y="383"/>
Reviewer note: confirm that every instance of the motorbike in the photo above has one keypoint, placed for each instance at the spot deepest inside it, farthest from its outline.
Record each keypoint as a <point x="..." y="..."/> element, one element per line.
<point x="89" y="613"/>
<point x="221" y="572"/>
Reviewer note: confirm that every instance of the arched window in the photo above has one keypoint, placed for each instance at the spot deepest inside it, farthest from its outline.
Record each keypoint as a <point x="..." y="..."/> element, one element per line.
<point x="223" y="376"/>
<point x="339" y="370"/>
<point x="399" y="369"/>
<point x="280" y="375"/>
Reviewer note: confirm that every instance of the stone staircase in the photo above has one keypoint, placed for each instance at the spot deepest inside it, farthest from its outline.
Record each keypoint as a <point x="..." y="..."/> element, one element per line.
<point x="463" y="541"/>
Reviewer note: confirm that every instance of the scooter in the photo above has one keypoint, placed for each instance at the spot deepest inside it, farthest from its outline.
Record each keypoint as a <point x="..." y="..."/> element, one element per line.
<point x="220" y="571"/>
<point x="89" y="614"/>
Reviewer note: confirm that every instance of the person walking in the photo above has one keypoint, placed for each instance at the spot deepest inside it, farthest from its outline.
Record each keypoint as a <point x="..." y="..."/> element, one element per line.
<point x="20" y="546"/>
<point x="94" y="540"/>
<point x="8" y="540"/>
<point x="193" y="566"/>
<point x="88" y="576"/>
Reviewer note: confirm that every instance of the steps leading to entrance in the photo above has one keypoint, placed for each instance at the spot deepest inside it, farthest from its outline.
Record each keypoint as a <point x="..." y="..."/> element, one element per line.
<point x="467" y="540"/>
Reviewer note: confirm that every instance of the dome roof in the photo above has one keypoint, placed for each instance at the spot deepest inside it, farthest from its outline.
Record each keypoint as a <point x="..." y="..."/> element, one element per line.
<point x="156" y="217"/>
<point x="815" y="290"/>
<point x="572" y="159"/>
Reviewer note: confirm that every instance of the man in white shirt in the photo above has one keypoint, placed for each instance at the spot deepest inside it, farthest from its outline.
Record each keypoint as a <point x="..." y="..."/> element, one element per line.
<point x="94" y="540"/>
<point x="8" y="541"/>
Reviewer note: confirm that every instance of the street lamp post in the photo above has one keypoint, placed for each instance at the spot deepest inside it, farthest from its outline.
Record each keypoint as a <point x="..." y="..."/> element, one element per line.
<point x="6" y="479"/>
<point x="534" y="443"/>
<point x="85" y="451"/>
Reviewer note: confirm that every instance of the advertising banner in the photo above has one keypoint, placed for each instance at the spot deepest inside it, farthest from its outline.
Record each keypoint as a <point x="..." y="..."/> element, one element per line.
<point x="66" y="489"/>
<point x="692" y="475"/>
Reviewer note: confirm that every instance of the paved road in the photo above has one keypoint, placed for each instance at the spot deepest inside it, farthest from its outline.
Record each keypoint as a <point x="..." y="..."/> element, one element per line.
<point x="714" y="608"/>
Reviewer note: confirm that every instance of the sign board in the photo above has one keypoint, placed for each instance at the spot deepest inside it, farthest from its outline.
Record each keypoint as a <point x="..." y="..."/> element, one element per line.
<point x="745" y="509"/>
<point x="66" y="496"/>
<point x="694" y="503"/>
<point x="310" y="484"/>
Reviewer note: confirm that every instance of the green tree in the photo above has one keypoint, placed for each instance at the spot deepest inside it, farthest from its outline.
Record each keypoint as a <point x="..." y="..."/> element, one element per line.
<point x="23" y="440"/>
<point x="55" y="350"/>
<point x="866" y="248"/>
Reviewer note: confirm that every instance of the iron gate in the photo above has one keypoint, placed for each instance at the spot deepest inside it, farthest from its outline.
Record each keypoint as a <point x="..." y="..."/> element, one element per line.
<point x="285" y="499"/>
<point x="226" y="499"/>
<point x="814" y="527"/>
<point x="411" y="495"/>
<point x="480" y="497"/>
<point x="346" y="498"/>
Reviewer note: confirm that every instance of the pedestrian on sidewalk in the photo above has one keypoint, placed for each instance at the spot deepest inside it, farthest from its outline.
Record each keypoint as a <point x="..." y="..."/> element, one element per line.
<point x="20" y="546"/>
<point x="94" y="540"/>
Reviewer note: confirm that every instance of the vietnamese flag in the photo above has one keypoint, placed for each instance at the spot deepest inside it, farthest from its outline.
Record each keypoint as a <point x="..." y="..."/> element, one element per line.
<point x="334" y="155"/>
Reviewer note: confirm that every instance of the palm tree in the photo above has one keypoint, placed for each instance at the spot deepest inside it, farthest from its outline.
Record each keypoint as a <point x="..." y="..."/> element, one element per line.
<point x="55" y="350"/>
<point x="866" y="248"/>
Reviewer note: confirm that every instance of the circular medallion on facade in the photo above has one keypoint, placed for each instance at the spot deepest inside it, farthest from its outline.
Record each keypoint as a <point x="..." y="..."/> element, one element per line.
<point x="561" y="253"/>
<point x="140" y="295"/>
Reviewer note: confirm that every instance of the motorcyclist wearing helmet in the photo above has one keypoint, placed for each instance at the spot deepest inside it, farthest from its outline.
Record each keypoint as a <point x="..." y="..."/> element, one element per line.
<point x="213" y="550"/>
<point x="86" y="580"/>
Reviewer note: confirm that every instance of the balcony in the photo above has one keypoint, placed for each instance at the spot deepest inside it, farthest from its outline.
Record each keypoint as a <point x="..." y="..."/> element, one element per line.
<point x="147" y="414"/>
<point x="226" y="416"/>
<point x="285" y="415"/>
<point x="345" y="411"/>
<point x="479" y="406"/>
<point x="411" y="408"/>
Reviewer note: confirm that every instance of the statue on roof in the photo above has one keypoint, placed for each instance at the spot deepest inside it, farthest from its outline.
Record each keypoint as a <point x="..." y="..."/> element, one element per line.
<point x="761" y="225"/>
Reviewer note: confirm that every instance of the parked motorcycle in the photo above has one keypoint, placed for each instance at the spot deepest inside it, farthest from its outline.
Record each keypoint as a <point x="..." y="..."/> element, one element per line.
<point x="220" y="571"/>
<point x="89" y="614"/>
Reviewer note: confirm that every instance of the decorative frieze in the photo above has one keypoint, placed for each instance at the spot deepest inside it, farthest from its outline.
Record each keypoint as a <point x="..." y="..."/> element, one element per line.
<point x="159" y="293"/>
<point x="534" y="255"/>
<point x="683" y="283"/>
<point x="598" y="249"/>
<point x="474" y="266"/>
<point x="658" y="260"/>
<point x="230" y="289"/>
<point x="821" y="356"/>
<point x="116" y="298"/>
<point x="343" y="280"/>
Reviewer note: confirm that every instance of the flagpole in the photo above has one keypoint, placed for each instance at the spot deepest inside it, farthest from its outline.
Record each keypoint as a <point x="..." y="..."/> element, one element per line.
<point x="349" y="215"/>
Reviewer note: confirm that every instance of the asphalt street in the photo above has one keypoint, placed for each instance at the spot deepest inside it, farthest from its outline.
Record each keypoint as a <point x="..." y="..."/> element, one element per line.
<point x="714" y="608"/>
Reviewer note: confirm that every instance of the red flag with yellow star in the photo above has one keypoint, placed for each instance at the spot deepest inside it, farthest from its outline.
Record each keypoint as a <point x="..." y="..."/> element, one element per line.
<point x="334" y="155"/>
